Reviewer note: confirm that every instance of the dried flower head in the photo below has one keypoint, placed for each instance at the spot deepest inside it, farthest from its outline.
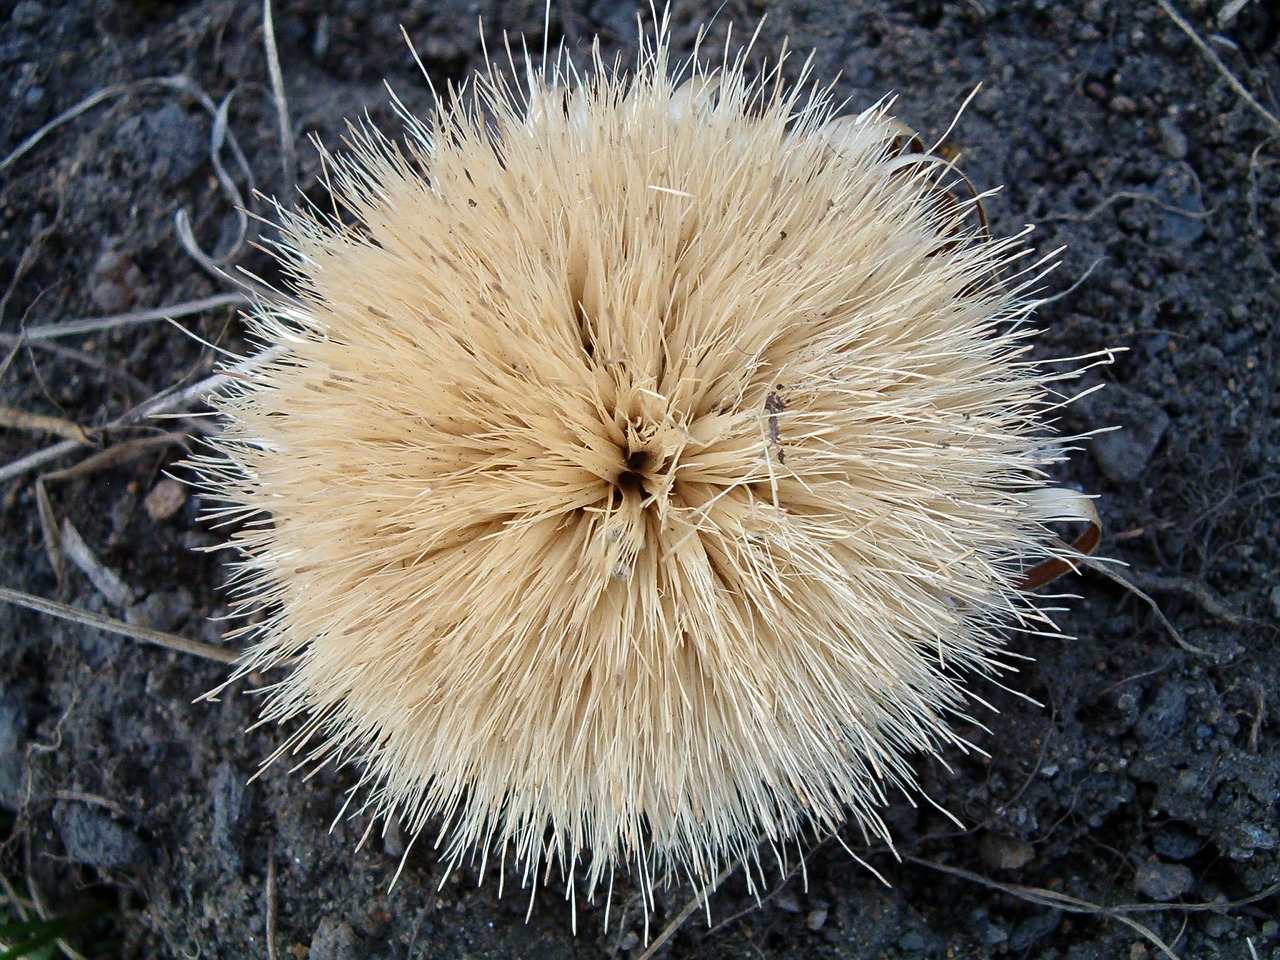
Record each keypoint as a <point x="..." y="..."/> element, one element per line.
<point x="644" y="471"/>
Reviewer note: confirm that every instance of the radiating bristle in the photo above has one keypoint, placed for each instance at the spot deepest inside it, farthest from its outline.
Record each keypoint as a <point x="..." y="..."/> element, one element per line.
<point x="646" y="471"/>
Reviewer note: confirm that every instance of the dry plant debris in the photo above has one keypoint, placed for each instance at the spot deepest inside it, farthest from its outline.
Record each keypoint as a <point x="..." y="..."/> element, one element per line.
<point x="645" y="472"/>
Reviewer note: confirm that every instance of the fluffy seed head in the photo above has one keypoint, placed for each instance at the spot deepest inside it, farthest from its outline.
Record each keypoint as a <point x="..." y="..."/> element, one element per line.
<point x="644" y="469"/>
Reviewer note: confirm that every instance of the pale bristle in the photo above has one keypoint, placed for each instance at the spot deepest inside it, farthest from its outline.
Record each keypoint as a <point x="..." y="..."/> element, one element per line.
<point x="642" y="476"/>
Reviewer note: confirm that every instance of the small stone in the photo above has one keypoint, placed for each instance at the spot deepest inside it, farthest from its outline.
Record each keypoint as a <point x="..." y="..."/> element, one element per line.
<point x="165" y="499"/>
<point x="92" y="837"/>
<point x="992" y="935"/>
<point x="109" y="297"/>
<point x="817" y="919"/>
<point x="393" y="839"/>
<point x="1245" y="838"/>
<point x="1163" y="882"/>
<point x="1181" y="220"/>
<point x="1004" y="852"/>
<point x="788" y="901"/>
<point x="162" y="610"/>
<point x="629" y="942"/>
<point x="1123" y="454"/>
<point x="1122" y="104"/>
<point x="1172" y="140"/>
<point x="1216" y="927"/>
<point x="28" y="13"/>
<point x="333" y="940"/>
<point x="1167" y="713"/>
<point x="114" y="282"/>
<point x="1174" y="843"/>
<point x="911" y="942"/>
<point x="176" y="143"/>
<point x="1032" y="929"/>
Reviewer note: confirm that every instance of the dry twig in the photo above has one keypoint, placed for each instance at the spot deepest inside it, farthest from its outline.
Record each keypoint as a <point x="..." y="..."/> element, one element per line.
<point x="169" y="641"/>
<point x="288" y="157"/>
<point x="683" y="915"/>
<point x="1213" y="58"/>
<point x="1068" y="904"/>
<point x="71" y="328"/>
<point x="271" y="901"/>
<point x="165" y="403"/>
<point x="39" y="423"/>
<point x="1119" y="195"/>
<point x="1060" y="901"/>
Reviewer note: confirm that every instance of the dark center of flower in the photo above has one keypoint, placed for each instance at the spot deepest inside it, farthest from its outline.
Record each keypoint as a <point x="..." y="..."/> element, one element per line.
<point x="632" y="477"/>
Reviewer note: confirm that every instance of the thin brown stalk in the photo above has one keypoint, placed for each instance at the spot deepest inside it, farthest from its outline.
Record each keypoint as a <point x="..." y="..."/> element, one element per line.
<point x="1213" y="58"/>
<point x="157" y="638"/>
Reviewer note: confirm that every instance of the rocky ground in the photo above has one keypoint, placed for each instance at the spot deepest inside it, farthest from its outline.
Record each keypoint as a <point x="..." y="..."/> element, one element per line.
<point x="1136" y="807"/>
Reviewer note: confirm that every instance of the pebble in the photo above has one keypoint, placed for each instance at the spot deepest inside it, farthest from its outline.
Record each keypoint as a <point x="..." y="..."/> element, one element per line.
<point x="1216" y="927"/>
<point x="162" y="610"/>
<point x="1166" y="715"/>
<point x="1246" y="838"/>
<point x="619" y="18"/>
<point x="176" y="141"/>
<point x="1032" y="929"/>
<point x="393" y="839"/>
<point x="1163" y="882"/>
<point x="114" y="282"/>
<point x="165" y="499"/>
<point x="788" y="901"/>
<point x="1004" y="852"/>
<point x="333" y="940"/>
<point x="28" y="13"/>
<point x="816" y="919"/>
<point x="992" y="935"/>
<point x="1122" y="455"/>
<point x="911" y="942"/>
<point x="1122" y="104"/>
<point x="1174" y="843"/>
<point x="1172" y="140"/>
<point x="92" y="837"/>
<point x="1182" y="218"/>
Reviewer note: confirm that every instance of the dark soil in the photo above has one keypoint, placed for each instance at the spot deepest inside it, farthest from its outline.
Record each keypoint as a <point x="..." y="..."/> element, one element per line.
<point x="1151" y="774"/>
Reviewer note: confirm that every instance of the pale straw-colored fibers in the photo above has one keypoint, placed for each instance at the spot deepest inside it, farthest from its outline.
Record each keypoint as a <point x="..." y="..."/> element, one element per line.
<point x="642" y="474"/>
